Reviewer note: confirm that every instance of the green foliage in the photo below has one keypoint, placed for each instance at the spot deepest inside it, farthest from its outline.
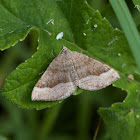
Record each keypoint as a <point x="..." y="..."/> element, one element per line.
<point x="20" y="83"/>
<point x="2" y="138"/>
<point x="84" y="31"/>
<point x="137" y="4"/>
<point x="128" y="27"/>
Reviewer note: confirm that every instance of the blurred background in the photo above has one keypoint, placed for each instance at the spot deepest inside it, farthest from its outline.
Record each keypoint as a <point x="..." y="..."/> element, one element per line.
<point x="76" y="117"/>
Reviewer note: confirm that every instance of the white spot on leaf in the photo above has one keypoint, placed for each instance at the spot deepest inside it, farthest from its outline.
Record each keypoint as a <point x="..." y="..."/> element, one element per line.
<point x="116" y="29"/>
<point x="52" y="53"/>
<point x="89" y="20"/>
<point x="84" y="34"/>
<point x="47" y="32"/>
<point x="51" y="20"/>
<point x="11" y="32"/>
<point x="137" y="72"/>
<point x="123" y="65"/>
<point x="119" y="54"/>
<point x="137" y="6"/>
<point x="95" y="25"/>
<point x="41" y="73"/>
<point x="111" y="42"/>
<point x="59" y="36"/>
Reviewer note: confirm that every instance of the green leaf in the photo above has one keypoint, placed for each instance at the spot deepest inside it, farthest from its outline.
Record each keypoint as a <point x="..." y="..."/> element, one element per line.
<point x="3" y="138"/>
<point x="12" y="28"/>
<point x="137" y="4"/>
<point x="128" y="27"/>
<point x="18" y="18"/>
<point x="84" y="31"/>
<point x="123" y="119"/>
<point x="20" y="83"/>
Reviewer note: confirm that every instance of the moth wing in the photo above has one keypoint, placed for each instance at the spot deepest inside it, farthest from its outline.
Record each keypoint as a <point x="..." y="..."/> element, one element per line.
<point x="93" y="74"/>
<point x="55" y="83"/>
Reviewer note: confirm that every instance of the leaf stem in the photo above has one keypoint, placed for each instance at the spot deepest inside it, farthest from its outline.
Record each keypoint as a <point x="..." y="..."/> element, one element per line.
<point x="84" y="117"/>
<point x="49" y="120"/>
<point x="128" y="27"/>
<point x="97" y="129"/>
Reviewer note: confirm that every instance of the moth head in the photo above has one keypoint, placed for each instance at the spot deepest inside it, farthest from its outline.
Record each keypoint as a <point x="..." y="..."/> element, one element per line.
<point x="64" y="48"/>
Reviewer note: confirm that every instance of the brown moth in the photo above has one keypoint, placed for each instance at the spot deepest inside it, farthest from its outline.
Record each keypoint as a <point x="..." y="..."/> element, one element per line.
<point x="70" y="70"/>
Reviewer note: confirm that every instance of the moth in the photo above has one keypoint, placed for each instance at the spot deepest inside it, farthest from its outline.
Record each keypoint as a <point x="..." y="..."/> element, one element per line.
<point x="69" y="70"/>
